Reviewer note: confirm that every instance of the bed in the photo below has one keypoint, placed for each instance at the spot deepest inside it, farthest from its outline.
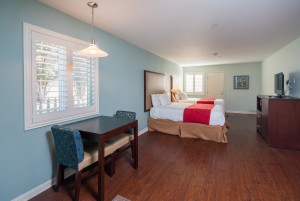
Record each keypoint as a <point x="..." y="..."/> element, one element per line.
<point x="215" y="131"/>
<point x="182" y="97"/>
<point x="195" y="100"/>
<point x="219" y="102"/>
<point x="174" y="112"/>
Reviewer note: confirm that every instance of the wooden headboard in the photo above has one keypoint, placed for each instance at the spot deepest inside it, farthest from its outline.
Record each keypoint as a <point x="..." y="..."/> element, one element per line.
<point x="154" y="83"/>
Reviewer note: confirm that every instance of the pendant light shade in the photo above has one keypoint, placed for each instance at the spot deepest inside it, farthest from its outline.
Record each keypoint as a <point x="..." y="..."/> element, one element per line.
<point x="92" y="50"/>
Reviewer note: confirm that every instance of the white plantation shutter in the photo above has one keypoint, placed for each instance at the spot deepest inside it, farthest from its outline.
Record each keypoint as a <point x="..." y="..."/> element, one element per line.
<point x="194" y="83"/>
<point x="83" y="81"/>
<point x="198" y="83"/>
<point x="59" y="84"/>
<point x="51" y="77"/>
<point x="189" y="83"/>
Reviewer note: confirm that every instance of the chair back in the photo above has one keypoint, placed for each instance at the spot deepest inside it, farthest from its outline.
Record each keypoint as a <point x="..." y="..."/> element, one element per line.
<point x="68" y="146"/>
<point x="126" y="115"/>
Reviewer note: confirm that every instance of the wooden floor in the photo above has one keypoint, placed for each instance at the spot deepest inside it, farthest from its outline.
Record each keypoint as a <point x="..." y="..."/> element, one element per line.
<point x="171" y="168"/>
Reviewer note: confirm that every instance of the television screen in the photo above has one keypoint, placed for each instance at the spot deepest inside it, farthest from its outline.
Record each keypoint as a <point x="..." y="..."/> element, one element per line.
<point x="279" y="84"/>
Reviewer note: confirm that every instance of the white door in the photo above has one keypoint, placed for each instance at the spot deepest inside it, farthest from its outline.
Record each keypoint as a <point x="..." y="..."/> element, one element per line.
<point x="215" y="85"/>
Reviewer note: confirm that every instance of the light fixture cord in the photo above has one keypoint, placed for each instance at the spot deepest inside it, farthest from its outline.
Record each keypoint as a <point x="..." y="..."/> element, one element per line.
<point x="92" y="23"/>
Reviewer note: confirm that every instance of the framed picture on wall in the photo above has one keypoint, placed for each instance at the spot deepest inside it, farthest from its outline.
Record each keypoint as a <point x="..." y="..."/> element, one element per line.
<point x="241" y="82"/>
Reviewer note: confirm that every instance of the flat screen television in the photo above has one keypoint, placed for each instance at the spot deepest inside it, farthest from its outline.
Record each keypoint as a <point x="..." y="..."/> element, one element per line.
<point x="279" y="84"/>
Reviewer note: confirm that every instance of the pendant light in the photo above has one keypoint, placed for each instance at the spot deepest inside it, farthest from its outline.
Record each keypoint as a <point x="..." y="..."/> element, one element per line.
<point x="92" y="50"/>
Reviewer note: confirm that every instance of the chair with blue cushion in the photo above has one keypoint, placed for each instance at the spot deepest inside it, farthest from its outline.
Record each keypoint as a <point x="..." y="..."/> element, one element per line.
<point x="124" y="140"/>
<point x="72" y="152"/>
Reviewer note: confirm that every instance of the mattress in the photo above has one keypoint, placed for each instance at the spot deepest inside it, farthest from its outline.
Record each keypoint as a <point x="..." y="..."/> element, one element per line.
<point x="174" y="112"/>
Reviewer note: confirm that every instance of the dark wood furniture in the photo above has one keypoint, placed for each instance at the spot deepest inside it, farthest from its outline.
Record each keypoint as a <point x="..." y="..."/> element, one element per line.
<point x="278" y="121"/>
<point x="100" y="129"/>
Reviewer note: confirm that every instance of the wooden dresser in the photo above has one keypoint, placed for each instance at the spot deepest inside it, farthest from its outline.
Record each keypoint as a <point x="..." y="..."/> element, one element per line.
<point x="278" y="121"/>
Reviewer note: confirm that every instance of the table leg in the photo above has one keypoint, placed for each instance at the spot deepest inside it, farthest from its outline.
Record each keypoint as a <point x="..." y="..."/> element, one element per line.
<point x="135" y="144"/>
<point x="101" y="164"/>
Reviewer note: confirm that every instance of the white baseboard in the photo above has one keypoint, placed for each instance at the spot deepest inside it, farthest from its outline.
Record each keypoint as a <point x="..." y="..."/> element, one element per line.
<point x="240" y="112"/>
<point x="143" y="131"/>
<point x="41" y="188"/>
<point x="48" y="184"/>
<point x="34" y="192"/>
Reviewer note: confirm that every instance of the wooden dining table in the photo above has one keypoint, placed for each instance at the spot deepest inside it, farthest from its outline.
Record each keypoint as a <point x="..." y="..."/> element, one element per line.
<point x="100" y="129"/>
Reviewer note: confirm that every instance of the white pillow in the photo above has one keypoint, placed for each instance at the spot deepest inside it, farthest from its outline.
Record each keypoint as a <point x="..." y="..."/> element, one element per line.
<point x="155" y="100"/>
<point x="164" y="99"/>
<point x="183" y="95"/>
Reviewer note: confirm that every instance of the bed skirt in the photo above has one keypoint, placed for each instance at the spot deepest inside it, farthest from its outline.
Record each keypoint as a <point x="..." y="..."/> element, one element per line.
<point x="189" y="130"/>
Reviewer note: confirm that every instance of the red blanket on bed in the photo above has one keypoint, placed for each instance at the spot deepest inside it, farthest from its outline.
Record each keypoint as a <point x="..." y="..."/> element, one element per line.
<point x="207" y="101"/>
<point x="197" y="113"/>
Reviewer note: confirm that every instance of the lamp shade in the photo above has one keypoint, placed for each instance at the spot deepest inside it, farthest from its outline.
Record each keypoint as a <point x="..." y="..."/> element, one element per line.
<point x="92" y="51"/>
<point x="175" y="89"/>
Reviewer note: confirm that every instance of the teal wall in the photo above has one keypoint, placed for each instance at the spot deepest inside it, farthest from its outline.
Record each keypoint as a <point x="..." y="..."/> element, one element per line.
<point x="26" y="157"/>
<point x="285" y="60"/>
<point x="236" y="100"/>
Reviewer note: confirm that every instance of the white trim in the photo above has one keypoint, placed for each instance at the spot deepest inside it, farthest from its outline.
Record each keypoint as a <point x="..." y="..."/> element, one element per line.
<point x="41" y="188"/>
<point x="143" y="131"/>
<point x="55" y="121"/>
<point x="31" y="120"/>
<point x="240" y="112"/>
<point x="35" y="191"/>
<point x="28" y="28"/>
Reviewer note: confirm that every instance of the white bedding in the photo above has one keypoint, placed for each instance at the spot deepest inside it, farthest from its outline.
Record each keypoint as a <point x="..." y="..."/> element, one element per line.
<point x="174" y="112"/>
<point x="194" y="100"/>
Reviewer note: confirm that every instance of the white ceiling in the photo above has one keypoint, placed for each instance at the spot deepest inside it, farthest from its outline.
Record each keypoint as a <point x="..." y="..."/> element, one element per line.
<point x="195" y="32"/>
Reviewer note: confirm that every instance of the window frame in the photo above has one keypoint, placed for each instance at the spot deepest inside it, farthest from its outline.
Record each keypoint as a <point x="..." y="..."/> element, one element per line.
<point x="32" y="120"/>
<point x="203" y="83"/>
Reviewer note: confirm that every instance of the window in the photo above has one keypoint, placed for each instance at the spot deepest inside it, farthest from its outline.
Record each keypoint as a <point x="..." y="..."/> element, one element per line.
<point x="59" y="84"/>
<point x="194" y="83"/>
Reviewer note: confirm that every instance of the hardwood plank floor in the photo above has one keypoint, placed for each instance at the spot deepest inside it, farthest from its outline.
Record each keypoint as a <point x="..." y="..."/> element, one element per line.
<point x="171" y="168"/>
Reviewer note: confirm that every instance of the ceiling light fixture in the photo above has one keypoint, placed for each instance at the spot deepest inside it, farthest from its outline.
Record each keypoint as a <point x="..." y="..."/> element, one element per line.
<point x="214" y="26"/>
<point x="92" y="50"/>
